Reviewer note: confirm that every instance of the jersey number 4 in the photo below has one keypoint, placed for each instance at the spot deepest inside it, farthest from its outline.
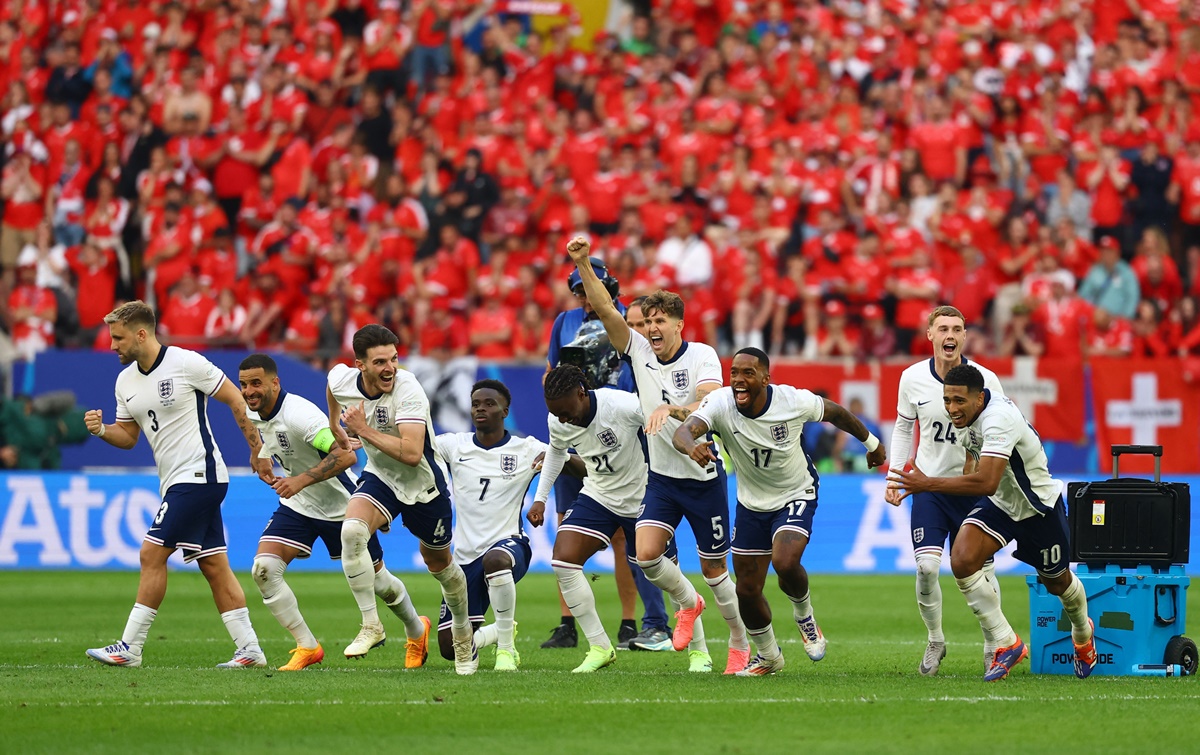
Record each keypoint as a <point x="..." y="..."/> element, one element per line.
<point x="949" y="437"/>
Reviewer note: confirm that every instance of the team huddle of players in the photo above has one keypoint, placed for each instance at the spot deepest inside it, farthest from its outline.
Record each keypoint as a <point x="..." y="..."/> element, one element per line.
<point x="648" y="460"/>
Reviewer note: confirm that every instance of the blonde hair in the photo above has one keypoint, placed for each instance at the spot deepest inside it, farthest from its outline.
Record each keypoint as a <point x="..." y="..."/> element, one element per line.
<point x="134" y="314"/>
<point x="945" y="311"/>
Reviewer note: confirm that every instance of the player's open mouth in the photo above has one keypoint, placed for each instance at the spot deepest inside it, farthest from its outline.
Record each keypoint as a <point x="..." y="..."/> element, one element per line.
<point x="948" y="347"/>
<point x="741" y="396"/>
<point x="655" y="341"/>
<point x="386" y="379"/>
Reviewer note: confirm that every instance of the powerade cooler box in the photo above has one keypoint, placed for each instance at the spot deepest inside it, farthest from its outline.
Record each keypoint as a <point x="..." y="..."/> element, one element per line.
<point x="1130" y="540"/>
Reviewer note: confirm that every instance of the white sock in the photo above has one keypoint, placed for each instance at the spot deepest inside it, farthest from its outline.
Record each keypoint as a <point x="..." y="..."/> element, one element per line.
<point x="664" y="574"/>
<point x="237" y="622"/>
<point x="488" y="635"/>
<point x="801" y="607"/>
<point x="138" y="626"/>
<point x="1074" y="601"/>
<point x="502" y="592"/>
<point x="985" y="603"/>
<point x="279" y="599"/>
<point x="454" y="592"/>
<point x="764" y="642"/>
<point x="360" y="572"/>
<point x="989" y="573"/>
<point x="389" y="587"/>
<point x="577" y="594"/>
<point x="725" y="593"/>
<point x="929" y="594"/>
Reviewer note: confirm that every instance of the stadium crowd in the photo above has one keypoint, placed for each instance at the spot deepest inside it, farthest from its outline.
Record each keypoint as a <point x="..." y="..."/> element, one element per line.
<point x="811" y="177"/>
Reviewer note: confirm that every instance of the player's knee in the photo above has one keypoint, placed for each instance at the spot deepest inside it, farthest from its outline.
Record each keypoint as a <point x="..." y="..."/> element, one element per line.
<point x="928" y="566"/>
<point x="355" y="534"/>
<point x="268" y="573"/>
<point x="712" y="568"/>
<point x="436" y="560"/>
<point x="648" y="553"/>
<point x="748" y="589"/>
<point x="1056" y="585"/>
<point x="496" y="561"/>
<point x="446" y="644"/>
<point x="965" y="564"/>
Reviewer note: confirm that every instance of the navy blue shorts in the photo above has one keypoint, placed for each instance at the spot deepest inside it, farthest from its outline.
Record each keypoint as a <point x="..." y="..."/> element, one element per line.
<point x="1042" y="541"/>
<point x="566" y="490"/>
<point x="590" y="517"/>
<point x="705" y="505"/>
<point x="478" y="599"/>
<point x="936" y="516"/>
<point x="754" y="531"/>
<point x="295" y="530"/>
<point x="431" y="523"/>
<point x="190" y="520"/>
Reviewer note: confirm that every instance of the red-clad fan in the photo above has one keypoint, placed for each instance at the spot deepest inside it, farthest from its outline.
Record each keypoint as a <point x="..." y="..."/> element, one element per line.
<point x="185" y="315"/>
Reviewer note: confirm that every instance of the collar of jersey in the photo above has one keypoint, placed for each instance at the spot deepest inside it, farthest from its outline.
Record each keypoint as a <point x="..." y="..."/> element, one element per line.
<point x="363" y="389"/>
<point x="507" y="437"/>
<point x="766" y="406"/>
<point x="275" y="409"/>
<point x="933" y="368"/>
<point x="682" y="348"/>
<point x="162" y="352"/>
<point x="591" y="408"/>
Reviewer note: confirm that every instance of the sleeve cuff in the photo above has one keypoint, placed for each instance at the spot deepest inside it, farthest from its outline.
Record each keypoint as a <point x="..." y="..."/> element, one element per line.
<point x="997" y="454"/>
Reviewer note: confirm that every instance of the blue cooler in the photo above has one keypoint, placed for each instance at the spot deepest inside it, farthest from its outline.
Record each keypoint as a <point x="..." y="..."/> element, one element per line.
<point x="1130" y="539"/>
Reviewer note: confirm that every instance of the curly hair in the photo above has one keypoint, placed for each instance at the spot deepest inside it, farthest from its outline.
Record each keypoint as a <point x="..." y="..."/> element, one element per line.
<point x="563" y="380"/>
<point x="496" y="386"/>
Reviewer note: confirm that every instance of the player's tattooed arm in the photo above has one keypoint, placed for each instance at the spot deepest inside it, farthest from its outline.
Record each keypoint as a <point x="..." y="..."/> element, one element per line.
<point x="841" y="418"/>
<point x="602" y="304"/>
<point x="685" y="443"/>
<point x="229" y="395"/>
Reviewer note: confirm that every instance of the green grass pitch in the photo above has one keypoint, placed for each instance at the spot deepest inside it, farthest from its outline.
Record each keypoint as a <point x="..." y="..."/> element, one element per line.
<point x="866" y="696"/>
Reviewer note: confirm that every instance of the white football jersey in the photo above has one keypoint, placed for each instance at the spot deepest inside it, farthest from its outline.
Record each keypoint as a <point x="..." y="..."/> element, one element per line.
<point x="1000" y="430"/>
<point x="406" y="404"/>
<point x="921" y="399"/>
<point x="489" y="487"/>
<point x="613" y="447"/>
<point x="288" y="433"/>
<point x="766" y="450"/>
<point x="170" y="404"/>
<point x="672" y="382"/>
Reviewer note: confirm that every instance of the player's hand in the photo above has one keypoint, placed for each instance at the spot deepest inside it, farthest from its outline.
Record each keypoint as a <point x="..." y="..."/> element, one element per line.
<point x="264" y="468"/>
<point x="658" y="418"/>
<point x="355" y="419"/>
<point x="538" y="462"/>
<point x="537" y="513"/>
<point x="355" y="444"/>
<point x="893" y="495"/>
<point x="908" y="482"/>
<point x="287" y="487"/>
<point x="702" y="454"/>
<point x="94" y="419"/>
<point x="580" y="249"/>
<point x="877" y="458"/>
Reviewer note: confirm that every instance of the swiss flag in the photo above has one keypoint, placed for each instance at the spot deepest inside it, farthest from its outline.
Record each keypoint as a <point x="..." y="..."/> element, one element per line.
<point x="1149" y="403"/>
<point x="1049" y="392"/>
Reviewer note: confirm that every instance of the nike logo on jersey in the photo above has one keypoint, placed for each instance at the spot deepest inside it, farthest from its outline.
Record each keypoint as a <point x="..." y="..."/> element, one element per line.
<point x="130" y="398"/>
<point x="649" y="365"/>
<point x="922" y="403"/>
<point x="463" y="458"/>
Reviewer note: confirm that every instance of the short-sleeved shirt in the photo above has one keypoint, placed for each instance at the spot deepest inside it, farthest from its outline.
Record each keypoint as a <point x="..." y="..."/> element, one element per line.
<point x="288" y="434"/>
<point x="1000" y="430"/>
<point x="385" y="412"/>
<point x="921" y="399"/>
<point x="613" y="445"/>
<point x="169" y="403"/>
<point x="766" y="449"/>
<point x="672" y="382"/>
<point x="489" y="485"/>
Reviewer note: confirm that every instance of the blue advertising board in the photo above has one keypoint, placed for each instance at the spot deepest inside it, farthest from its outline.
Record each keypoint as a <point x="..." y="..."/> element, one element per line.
<point x="67" y="520"/>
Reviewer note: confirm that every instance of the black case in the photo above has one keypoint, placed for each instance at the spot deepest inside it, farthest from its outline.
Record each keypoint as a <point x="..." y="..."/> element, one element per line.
<point x="1130" y="521"/>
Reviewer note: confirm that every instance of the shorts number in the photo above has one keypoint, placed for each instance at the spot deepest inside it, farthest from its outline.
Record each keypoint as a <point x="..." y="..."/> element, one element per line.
<point x="162" y="512"/>
<point x="718" y="528"/>
<point x="796" y="509"/>
<point x="949" y="437"/>
<point x="440" y="530"/>
<point x="153" y="420"/>
<point x="484" y="481"/>
<point x="602" y="465"/>
<point x="1051" y="556"/>
<point x="762" y="457"/>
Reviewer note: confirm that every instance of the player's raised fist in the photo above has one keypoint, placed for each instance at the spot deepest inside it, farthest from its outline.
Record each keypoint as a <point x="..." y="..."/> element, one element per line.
<point x="579" y="248"/>
<point x="94" y="419"/>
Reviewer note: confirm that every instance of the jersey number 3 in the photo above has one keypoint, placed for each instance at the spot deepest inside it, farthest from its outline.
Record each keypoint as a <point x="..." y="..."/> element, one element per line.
<point x="153" y="420"/>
